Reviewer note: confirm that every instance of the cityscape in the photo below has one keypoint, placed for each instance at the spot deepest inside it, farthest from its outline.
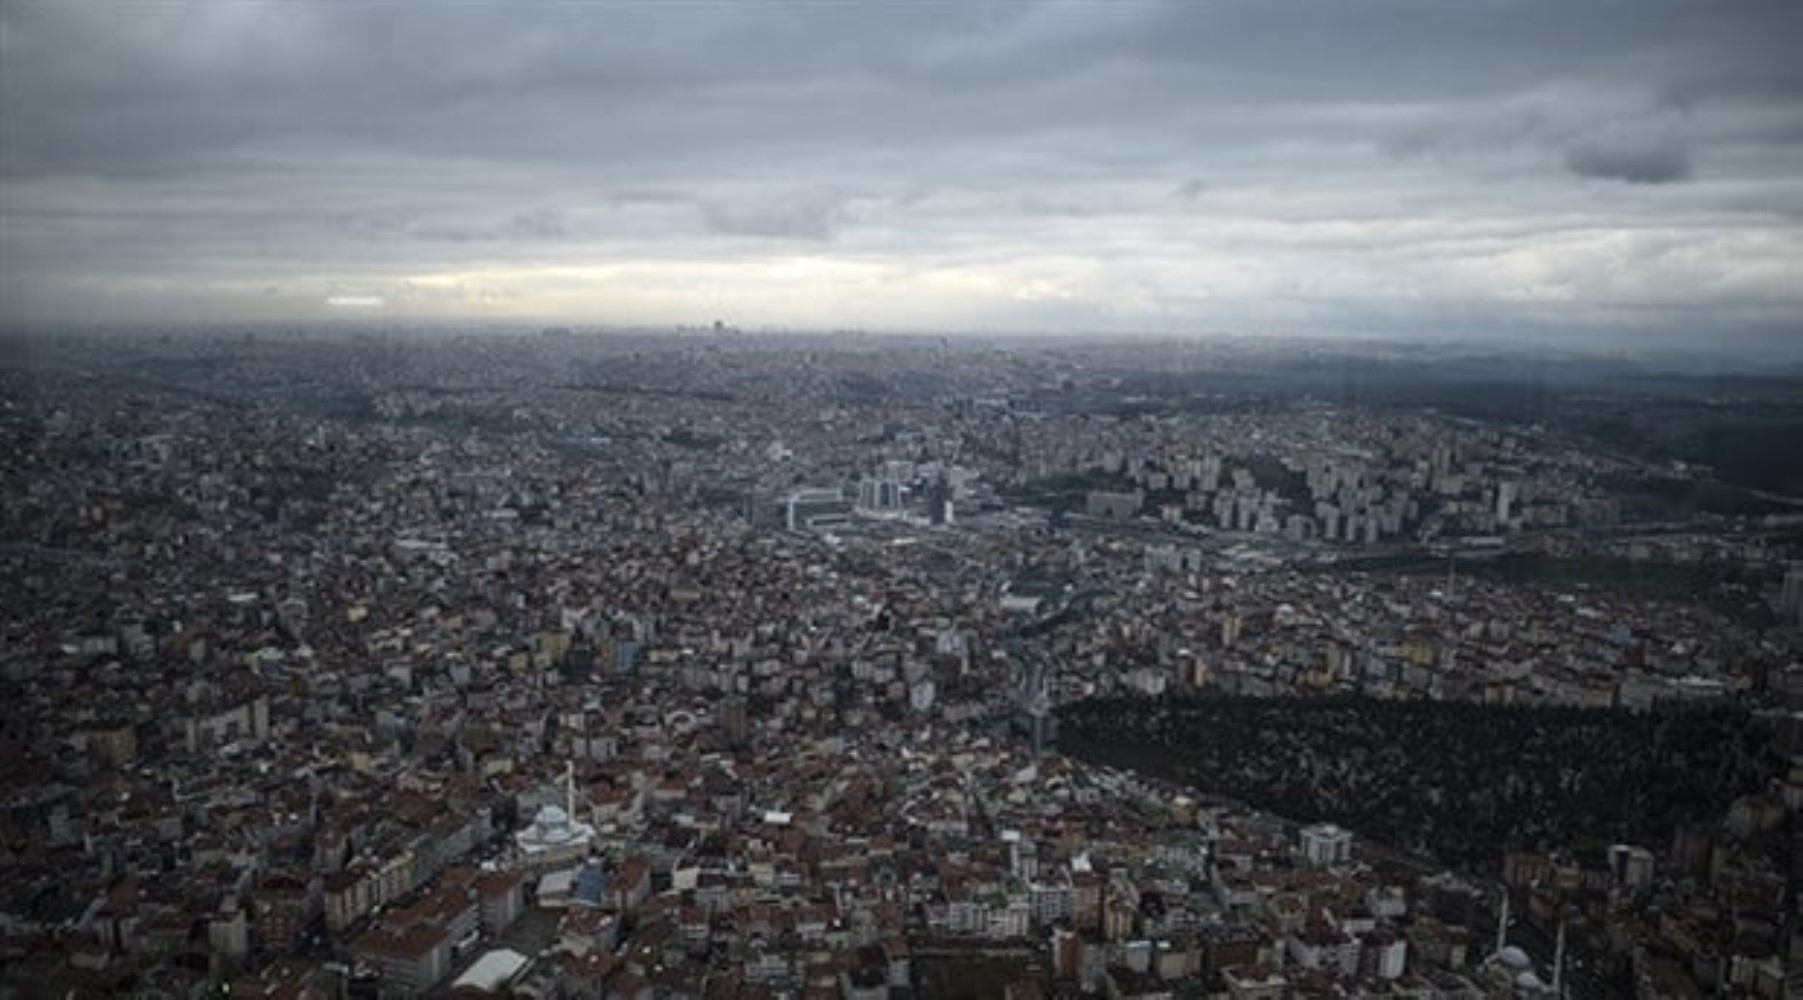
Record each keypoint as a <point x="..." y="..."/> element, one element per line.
<point x="573" y="664"/>
<point x="995" y="500"/>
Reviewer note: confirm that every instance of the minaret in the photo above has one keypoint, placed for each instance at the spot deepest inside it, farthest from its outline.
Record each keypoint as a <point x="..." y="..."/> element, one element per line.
<point x="569" y="790"/>
<point x="1559" y="961"/>
<point x="1037" y="703"/>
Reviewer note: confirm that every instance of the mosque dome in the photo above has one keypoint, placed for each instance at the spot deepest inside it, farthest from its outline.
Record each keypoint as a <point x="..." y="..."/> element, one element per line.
<point x="552" y="825"/>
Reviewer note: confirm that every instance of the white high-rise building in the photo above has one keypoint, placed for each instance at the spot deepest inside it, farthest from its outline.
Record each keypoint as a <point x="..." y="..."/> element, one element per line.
<point x="1505" y="502"/>
<point x="1791" y="599"/>
<point x="879" y="496"/>
<point x="1325" y="845"/>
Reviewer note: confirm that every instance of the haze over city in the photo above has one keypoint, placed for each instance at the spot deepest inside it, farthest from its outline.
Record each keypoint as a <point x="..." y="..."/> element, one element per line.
<point x="1186" y="500"/>
<point x="1498" y="171"/>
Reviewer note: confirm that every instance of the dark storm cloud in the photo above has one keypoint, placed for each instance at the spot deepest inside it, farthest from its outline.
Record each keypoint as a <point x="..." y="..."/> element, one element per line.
<point x="179" y="87"/>
<point x="1635" y="164"/>
<point x="1189" y="190"/>
<point x="1007" y="156"/>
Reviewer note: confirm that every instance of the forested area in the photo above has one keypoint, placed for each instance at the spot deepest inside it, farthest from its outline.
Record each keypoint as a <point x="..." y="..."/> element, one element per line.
<point x="1459" y="782"/>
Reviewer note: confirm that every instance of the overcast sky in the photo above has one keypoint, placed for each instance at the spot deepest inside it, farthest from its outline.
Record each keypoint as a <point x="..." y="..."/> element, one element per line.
<point x="1472" y="168"/>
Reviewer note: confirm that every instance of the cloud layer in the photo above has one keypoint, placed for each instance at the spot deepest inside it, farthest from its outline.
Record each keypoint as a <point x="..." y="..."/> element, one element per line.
<point x="1389" y="166"/>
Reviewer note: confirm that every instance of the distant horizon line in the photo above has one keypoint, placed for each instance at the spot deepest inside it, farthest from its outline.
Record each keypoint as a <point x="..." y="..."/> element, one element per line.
<point x="1751" y="351"/>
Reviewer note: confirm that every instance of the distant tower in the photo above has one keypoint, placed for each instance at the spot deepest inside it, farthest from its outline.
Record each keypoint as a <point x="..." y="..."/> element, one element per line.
<point x="1502" y="925"/>
<point x="569" y="788"/>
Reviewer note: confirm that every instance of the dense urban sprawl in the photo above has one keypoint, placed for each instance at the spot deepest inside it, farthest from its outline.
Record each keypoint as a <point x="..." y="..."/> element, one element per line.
<point x="569" y="665"/>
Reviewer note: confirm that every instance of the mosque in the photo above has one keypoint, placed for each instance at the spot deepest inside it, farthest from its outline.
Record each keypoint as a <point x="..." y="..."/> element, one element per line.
<point x="555" y="837"/>
<point x="1510" y="968"/>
